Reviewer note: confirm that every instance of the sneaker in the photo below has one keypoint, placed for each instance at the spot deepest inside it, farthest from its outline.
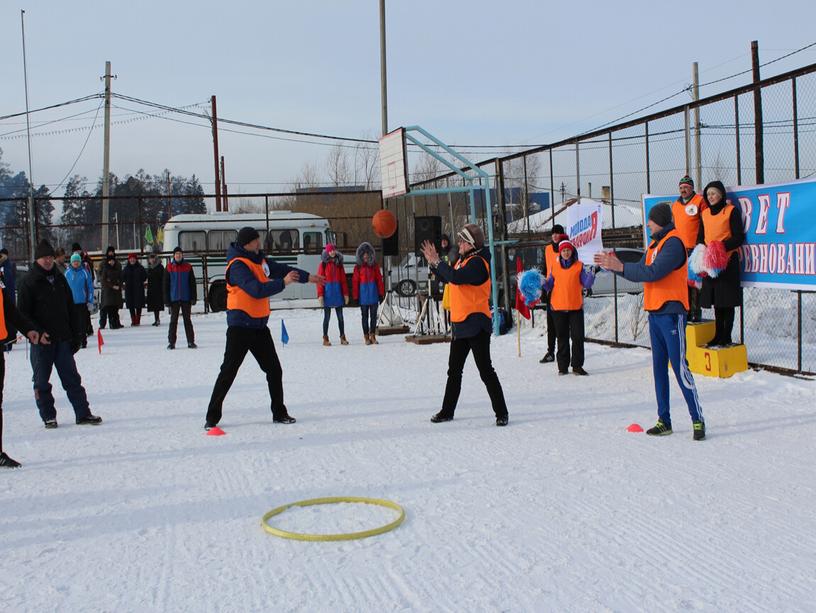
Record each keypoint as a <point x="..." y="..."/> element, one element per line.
<point x="89" y="420"/>
<point x="171" y="346"/>
<point x="699" y="430"/>
<point x="579" y="371"/>
<point x="286" y="419"/>
<point x="501" y="421"/>
<point x="7" y="462"/>
<point x="209" y="426"/>
<point x="548" y="357"/>
<point x="440" y="417"/>
<point x="659" y="429"/>
<point x="155" y="323"/>
<point x="192" y="346"/>
<point x="50" y="424"/>
<point x="563" y="372"/>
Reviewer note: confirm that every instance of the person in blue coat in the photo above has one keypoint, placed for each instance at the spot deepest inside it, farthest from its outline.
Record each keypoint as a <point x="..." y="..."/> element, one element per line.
<point x="82" y="292"/>
<point x="180" y="295"/>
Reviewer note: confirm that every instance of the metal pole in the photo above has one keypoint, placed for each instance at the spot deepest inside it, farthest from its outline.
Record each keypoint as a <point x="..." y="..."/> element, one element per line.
<point x="383" y="72"/>
<point x="224" y="199"/>
<point x="758" y="136"/>
<point x="799" y="330"/>
<point x="648" y="166"/>
<point x="502" y="205"/>
<point x="552" y="192"/>
<point x="698" y="156"/>
<point x="739" y="154"/>
<point x="106" y="162"/>
<point x="215" y="154"/>
<point x="686" y="130"/>
<point x="32" y="215"/>
<point x="526" y="193"/>
<point x="612" y="206"/>
<point x="577" y="172"/>
<point x="795" y="131"/>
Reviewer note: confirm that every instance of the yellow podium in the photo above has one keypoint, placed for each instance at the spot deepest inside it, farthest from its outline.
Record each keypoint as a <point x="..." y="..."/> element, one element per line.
<point x="720" y="362"/>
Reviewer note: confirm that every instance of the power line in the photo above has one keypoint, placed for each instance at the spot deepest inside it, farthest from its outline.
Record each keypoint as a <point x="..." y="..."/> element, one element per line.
<point x="82" y="150"/>
<point x="52" y="106"/>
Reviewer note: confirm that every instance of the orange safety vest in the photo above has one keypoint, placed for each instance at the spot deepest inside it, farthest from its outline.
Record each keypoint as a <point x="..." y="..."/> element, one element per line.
<point x="672" y="287"/>
<point x="717" y="227"/>
<point x="468" y="299"/>
<point x="687" y="219"/>
<point x="238" y="299"/>
<point x="550" y="258"/>
<point x="3" y="329"/>
<point x="567" y="293"/>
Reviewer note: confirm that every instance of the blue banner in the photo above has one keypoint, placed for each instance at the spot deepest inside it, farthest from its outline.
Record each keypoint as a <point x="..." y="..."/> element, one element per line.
<point x="780" y="233"/>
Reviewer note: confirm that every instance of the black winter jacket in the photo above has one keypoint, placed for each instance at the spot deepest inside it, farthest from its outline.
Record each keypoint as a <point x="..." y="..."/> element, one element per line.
<point x="45" y="298"/>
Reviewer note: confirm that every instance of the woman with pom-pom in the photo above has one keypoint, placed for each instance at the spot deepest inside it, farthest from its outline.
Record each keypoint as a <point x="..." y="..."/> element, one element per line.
<point x="721" y="231"/>
<point x="566" y="283"/>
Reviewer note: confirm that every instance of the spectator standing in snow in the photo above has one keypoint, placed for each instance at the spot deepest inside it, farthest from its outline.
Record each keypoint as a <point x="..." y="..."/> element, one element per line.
<point x="664" y="273"/>
<point x="134" y="278"/>
<point x="469" y="281"/>
<point x="686" y="211"/>
<point x="722" y="221"/>
<point x="565" y="283"/>
<point x="251" y="279"/>
<point x="111" y="281"/>
<point x="180" y="296"/>
<point x="334" y="294"/>
<point x="46" y="300"/>
<point x="82" y="293"/>
<point x="367" y="287"/>
<point x="155" y="287"/>
<point x="11" y="319"/>
<point x="550" y="258"/>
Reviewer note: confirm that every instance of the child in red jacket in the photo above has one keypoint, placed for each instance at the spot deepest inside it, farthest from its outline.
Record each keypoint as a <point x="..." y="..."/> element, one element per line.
<point x="334" y="293"/>
<point x="367" y="287"/>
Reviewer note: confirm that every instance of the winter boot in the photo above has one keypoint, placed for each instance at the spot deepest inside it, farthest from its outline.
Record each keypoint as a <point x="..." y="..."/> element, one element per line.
<point x="699" y="430"/>
<point x="89" y="420"/>
<point x="138" y="319"/>
<point x="50" y="424"/>
<point x="374" y="340"/>
<point x="501" y="420"/>
<point x="343" y="340"/>
<point x="132" y="321"/>
<point x="548" y="357"/>
<point x="579" y="370"/>
<point x="326" y="341"/>
<point x="368" y="339"/>
<point x="659" y="429"/>
<point x="7" y="462"/>
<point x="441" y="417"/>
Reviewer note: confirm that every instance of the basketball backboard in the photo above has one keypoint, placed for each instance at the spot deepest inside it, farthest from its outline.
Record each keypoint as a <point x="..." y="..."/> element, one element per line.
<point x="394" y="164"/>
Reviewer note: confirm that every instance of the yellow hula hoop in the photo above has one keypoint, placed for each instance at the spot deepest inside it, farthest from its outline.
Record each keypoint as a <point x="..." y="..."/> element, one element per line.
<point x="347" y="536"/>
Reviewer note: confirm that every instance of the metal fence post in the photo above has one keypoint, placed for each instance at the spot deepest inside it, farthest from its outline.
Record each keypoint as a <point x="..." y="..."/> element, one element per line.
<point x="648" y="164"/>
<point x="799" y="330"/>
<point x="737" y="126"/>
<point x="552" y="191"/>
<point x="612" y="206"/>
<point x="795" y="130"/>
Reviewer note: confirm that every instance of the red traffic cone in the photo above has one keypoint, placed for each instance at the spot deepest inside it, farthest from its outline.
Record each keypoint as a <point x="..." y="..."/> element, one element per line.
<point x="634" y="428"/>
<point x="215" y="431"/>
<point x="99" y="340"/>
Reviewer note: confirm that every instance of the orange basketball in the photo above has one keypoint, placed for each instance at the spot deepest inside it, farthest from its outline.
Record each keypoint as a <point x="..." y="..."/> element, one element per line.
<point x="384" y="223"/>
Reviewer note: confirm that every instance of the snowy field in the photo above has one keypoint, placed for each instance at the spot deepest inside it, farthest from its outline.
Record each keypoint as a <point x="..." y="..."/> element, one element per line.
<point x="563" y="510"/>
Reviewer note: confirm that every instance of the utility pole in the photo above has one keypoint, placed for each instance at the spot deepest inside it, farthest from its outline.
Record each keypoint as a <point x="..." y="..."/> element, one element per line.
<point x="32" y="214"/>
<point x="106" y="163"/>
<point x="695" y="95"/>
<point x="758" y="136"/>
<point x="383" y="72"/>
<point x="225" y="200"/>
<point x="215" y="155"/>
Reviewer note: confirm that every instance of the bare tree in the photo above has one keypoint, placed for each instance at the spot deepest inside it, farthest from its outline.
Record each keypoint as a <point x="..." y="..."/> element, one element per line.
<point x="366" y="164"/>
<point x="309" y="176"/>
<point x="338" y="167"/>
<point x="427" y="168"/>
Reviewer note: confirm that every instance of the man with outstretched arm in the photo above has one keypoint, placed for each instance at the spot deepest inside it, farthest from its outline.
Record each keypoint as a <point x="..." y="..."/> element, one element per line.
<point x="664" y="273"/>
<point x="251" y="280"/>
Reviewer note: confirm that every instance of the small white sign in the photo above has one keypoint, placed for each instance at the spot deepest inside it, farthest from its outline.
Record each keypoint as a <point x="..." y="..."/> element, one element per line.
<point x="584" y="223"/>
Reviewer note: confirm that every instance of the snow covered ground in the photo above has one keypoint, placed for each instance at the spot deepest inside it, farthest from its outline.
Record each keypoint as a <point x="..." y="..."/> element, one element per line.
<point x="561" y="511"/>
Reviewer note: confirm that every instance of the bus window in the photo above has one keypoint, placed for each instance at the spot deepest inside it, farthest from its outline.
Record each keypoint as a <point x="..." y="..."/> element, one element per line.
<point x="283" y="241"/>
<point x="219" y="240"/>
<point x="194" y="242"/>
<point x="312" y="242"/>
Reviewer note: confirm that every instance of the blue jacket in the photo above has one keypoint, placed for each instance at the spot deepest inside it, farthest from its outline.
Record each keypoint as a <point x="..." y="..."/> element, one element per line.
<point x="79" y="280"/>
<point x="670" y="257"/>
<point x="9" y="270"/>
<point x="239" y="274"/>
<point x="180" y="284"/>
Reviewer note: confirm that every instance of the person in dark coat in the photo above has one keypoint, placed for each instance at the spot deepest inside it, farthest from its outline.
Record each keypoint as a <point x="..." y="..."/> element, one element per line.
<point x="155" y="287"/>
<point x="180" y="296"/>
<point x="134" y="277"/>
<point x="469" y="281"/>
<point x="11" y="319"/>
<point x="111" y="280"/>
<point x="251" y="279"/>
<point x="45" y="299"/>
<point x="722" y="221"/>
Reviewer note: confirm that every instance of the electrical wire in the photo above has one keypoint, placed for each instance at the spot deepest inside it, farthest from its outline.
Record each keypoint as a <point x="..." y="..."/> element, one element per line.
<point x="82" y="150"/>
<point x="52" y="106"/>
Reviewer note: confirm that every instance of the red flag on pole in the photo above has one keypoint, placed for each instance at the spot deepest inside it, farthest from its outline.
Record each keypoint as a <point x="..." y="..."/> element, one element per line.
<point x="99" y="340"/>
<point x="521" y="307"/>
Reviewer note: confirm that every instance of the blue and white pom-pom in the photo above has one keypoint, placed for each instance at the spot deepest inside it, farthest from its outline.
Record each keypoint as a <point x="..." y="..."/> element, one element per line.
<point x="529" y="284"/>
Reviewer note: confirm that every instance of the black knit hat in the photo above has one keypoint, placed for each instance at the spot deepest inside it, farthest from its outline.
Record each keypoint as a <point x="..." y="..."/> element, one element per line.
<point x="44" y="249"/>
<point x="558" y="229"/>
<point x="76" y="247"/>
<point x="246" y="235"/>
<point x="661" y="214"/>
<point x="178" y="249"/>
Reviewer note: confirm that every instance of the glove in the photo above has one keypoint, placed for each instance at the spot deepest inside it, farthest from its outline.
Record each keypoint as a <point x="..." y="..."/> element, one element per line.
<point x="320" y="300"/>
<point x="345" y="298"/>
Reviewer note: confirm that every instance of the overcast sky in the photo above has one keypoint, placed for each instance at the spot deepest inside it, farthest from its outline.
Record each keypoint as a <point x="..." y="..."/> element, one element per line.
<point x="471" y="72"/>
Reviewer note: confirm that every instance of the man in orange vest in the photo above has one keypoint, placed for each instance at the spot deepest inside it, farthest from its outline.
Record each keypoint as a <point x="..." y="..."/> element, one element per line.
<point x="686" y="211"/>
<point x="11" y="319"/>
<point x="664" y="271"/>
<point x="469" y="281"/>
<point x="251" y="280"/>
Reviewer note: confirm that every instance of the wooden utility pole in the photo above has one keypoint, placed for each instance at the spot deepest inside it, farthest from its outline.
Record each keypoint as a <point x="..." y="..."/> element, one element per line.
<point x="215" y="155"/>
<point x="224" y="199"/>
<point x="758" y="136"/>
<point x="106" y="160"/>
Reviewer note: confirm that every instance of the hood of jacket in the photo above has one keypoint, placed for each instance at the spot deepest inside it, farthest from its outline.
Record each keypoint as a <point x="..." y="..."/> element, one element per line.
<point x="237" y="251"/>
<point x="362" y="250"/>
<point x="717" y="185"/>
<point x="324" y="257"/>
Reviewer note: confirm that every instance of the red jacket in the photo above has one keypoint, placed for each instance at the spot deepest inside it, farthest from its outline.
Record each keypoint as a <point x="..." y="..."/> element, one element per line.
<point x="367" y="284"/>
